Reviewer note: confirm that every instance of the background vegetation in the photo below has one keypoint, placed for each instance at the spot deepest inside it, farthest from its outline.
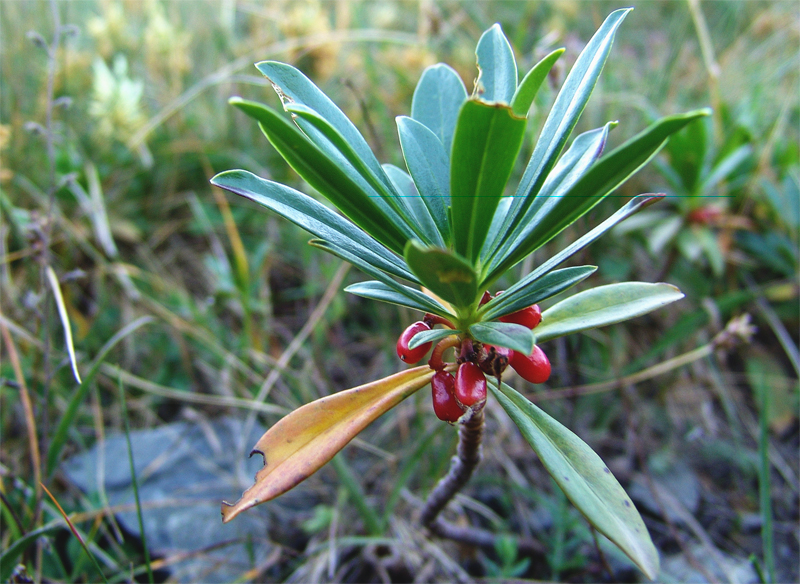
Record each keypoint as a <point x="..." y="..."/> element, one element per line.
<point x="192" y="302"/>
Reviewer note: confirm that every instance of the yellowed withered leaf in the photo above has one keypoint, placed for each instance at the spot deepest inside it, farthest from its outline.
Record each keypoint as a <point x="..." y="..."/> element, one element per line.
<point x="302" y="442"/>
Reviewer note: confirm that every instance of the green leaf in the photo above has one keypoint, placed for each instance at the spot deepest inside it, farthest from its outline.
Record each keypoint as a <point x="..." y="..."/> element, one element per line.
<point x="584" y="478"/>
<point x="600" y="180"/>
<point x="724" y="168"/>
<point x="293" y="87"/>
<point x="384" y="293"/>
<point x="565" y="113"/>
<point x="9" y="556"/>
<point x="497" y="80"/>
<point x="303" y="441"/>
<point x="314" y="217"/>
<point x="485" y="147"/>
<point x="429" y="166"/>
<point x="634" y="205"/>
<point x="602" y="306"/>
<point x="416" y="297"/>
<point x="430" y="336"/>
<point x="443" y="273"/>
<point x="530" y="84"/>
<point x="413" y="202"/>
<point x="550" y="204"/>
<point x="504" y="334"/>
<point x="545" y="287"/>
<point x="329" y="177"/>
<point x="372" y="172"/>
<point x="437" y="99"/>
<point x="610" y="172"/>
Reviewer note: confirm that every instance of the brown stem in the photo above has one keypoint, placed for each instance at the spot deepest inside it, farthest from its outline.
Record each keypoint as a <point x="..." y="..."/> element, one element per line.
<point x="462" y="465"/>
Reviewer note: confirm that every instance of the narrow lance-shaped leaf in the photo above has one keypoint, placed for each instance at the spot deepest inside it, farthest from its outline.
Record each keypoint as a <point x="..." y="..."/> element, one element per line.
<point x="437" y="99"/>
<point x="375" y="290"/>
<point x="536" y="291"/>
<point x="412" y="201"/>
<point x="504" y="334"/>
<point x="530" y="84"/>
<point x="323" y="174"/>
<point x="497" y="80"/>
<point x="429" y="166"/>
<point x="293" y="87"/>
<point x="584" y="478"/>
<point x="485" y="147"/>
<point x="302" y="442"/>
<point x="375" y="177"/>
<point x="550" y="204"/>
<point x="314" y="217"/>
<point x="414" y="298"/>
<point x="443" y="273"/>
<point x="634" y="205"/>
<point x="600" y="180"/>
<point x="430" y="336"/>
<point x="565" y="113"/>
<point x="602" y="306"/>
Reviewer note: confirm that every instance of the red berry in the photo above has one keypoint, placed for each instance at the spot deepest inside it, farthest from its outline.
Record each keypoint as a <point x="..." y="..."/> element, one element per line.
<point x="529" y="317"/>
<point x="444" y="402"/>
<point x="534" y="367"/>
<point x="485" y="298"/>
<point x="415" y="355"/>
<point x="470" y="387"/>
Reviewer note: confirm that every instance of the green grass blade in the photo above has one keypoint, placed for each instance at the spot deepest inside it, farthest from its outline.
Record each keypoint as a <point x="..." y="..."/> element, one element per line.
<point x="8" y="559"/>
<point x="60" y="435"/>
<point x="135" y="482"/>
<point x="353" y="487"/>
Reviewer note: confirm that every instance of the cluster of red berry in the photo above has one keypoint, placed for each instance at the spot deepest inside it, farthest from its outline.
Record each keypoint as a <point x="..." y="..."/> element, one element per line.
<point x="453" y="396"/>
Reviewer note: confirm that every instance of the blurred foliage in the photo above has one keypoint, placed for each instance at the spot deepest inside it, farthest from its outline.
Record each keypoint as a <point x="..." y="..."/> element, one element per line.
<point x="134" y="229"/>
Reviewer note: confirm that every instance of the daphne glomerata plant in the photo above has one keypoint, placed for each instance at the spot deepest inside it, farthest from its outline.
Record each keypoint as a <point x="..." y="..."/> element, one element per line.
<point x="435" y="236"/>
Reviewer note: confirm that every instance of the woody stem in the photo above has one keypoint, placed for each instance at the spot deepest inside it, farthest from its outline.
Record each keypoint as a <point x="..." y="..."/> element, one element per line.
<point x="462" y="465"/>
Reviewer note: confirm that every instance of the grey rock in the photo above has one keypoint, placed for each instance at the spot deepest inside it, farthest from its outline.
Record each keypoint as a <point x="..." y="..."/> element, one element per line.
<point x="184" y="471"/>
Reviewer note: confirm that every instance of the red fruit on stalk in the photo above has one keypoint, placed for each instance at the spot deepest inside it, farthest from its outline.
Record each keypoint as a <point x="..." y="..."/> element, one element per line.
<point x="529" y="317"/>
<point x="470" y="386"/>
<point x="415" y="355"/>
<point x="444" y="402"/>
<point x="534" y="367"/>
